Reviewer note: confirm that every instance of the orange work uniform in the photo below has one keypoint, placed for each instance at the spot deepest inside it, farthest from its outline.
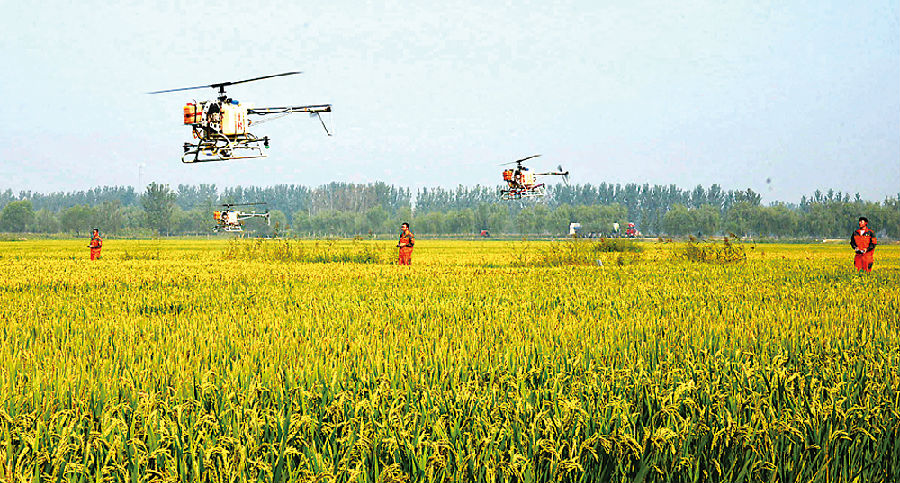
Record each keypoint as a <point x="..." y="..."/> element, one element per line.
<point x="406" y="247"/>
<point x="96" y="245"/>
<point x="863" y="241"/>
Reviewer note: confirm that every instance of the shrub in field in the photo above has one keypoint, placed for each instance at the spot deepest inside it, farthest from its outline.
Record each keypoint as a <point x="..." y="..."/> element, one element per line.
<point x="576" y="251"/>
<point x="146" y="255"/>
<point x="320" y="251"/>
<point x="619" y="245"/>
<point x="708" y="251"/>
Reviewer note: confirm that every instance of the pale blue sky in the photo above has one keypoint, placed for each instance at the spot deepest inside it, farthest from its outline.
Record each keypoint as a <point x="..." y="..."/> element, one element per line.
<point x="805" y="94"/>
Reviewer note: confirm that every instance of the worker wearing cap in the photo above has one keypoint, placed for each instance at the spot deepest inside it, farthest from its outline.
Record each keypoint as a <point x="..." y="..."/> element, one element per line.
<point x="407" y="240"/>
<point x="96" y="244"/>
<point x="863" y="242"/>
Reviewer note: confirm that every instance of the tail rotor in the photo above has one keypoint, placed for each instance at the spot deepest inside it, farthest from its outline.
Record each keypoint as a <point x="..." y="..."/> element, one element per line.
<point x="564" y="174"/>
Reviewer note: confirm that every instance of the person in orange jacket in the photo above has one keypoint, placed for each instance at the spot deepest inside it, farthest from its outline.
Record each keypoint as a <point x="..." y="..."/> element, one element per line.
<point x="863" y="242"/>
<point x="407" y="240"/>
<point x="96" y="244"/>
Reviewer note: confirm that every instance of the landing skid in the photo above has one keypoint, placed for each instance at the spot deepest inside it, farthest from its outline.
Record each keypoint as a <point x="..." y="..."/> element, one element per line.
<point x="517" y="194"/>
<point x="221" y="147"/>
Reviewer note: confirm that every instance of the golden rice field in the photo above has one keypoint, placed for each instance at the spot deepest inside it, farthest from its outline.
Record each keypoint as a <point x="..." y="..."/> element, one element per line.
<point x="188" y="360"/>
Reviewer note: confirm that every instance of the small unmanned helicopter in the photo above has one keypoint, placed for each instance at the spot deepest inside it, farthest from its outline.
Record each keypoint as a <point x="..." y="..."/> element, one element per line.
<point x="233" y="220"/>
<point x="221" y="126"/>
<point x="522" y="182"/>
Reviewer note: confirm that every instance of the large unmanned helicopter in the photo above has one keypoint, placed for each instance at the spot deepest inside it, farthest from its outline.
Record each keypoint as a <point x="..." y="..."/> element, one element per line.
<point x="522" y="182"/>
<point x="233" y="220"/>
<point x="221" y="126"/>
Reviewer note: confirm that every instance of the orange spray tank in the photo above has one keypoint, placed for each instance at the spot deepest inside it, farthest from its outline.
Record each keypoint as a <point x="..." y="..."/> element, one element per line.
<point x="191" y="113"/>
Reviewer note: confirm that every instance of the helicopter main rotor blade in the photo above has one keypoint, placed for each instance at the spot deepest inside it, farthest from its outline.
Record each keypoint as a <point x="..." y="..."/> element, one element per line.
<point x="224" y="84"/>
<point x="243" y="204"/>
<point x="179" y="89"/>
<point x="526" y="159"/>
<point x="521" y="160"/>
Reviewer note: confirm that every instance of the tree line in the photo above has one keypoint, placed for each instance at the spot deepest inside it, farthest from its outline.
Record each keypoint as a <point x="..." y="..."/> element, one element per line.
<point x="348" y="209"/>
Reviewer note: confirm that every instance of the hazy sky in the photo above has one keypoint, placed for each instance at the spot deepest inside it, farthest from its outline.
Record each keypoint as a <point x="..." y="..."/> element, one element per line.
<point x="804" y="94"/>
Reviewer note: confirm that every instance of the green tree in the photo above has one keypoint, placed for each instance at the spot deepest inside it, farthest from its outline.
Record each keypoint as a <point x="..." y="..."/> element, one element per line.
<point x="541" y="219"/>
<point x="404" y="214"/>
<point x="109" y="217"/>
<point x="433" y="222"/>
<point x="525" y="220"/>
<point x="17" y="216"/>
<point x="677" y="221"/>
<point x="460" y="221"/>
<point x="559" y="219"/>
<point x="159" y="204"/>
<point x="705" y="220"/>
<point x="890" y="217"/>
<point x="76" y="219"/>
<point x="739" y="218"/>
<point x="498" y="219"/>
<point x="45" y="221"/>
<point x="135" y="221"/>
<point x="278" y="223"/>
<point x="192" y="222"/>
<point x="782" y="221"/>
<point x="376" y="217"/>
<point x="613" y="213"/>
<point x="481" y="212"/>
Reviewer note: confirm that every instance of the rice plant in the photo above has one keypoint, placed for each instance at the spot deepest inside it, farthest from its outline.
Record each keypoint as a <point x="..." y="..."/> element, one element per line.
<point x="217" y="362"/>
